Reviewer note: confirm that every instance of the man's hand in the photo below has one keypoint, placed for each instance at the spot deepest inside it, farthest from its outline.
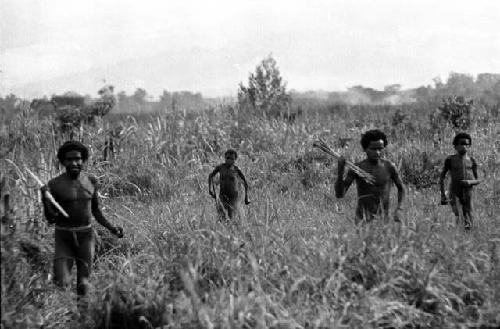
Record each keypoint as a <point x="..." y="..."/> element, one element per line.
<point x="247" y="202"/>
<point x="466" y="183"/>
<point x="397" y="215"/>
<point x="51" y="212"/>
<point x="212" y="194"/>
<point x="117" y="231"/>
<point x="341" y="164"/>
<point x="444" y="200"/>
<point x="44" y="189"/>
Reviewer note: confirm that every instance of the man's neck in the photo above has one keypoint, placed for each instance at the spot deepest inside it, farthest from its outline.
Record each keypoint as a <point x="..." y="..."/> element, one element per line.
<point x="73" y="177"/>
<point x="374" y="162"/>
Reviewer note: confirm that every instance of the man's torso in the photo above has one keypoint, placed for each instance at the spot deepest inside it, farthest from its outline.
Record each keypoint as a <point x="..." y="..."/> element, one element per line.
<point x="371" y="197"/>
<point x="228" y="181"/>
<point x="75" y="197"/>
<point x="461" y="168"/>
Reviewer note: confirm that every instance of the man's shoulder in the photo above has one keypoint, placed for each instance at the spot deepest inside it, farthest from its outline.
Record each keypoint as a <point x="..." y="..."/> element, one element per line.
<point x="388" y="163"/>
<point x="57" y="180"/>
<point x="88" y="180"/>
<point x="367" y="163"/>
<point x="361" y="163"/>
<point x="391" y="166"/>
<point x="92" y="178"/>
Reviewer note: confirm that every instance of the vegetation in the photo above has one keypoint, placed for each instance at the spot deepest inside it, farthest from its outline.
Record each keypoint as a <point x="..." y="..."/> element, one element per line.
<point x="266" y="91"/>
<point x="295" y="261"/>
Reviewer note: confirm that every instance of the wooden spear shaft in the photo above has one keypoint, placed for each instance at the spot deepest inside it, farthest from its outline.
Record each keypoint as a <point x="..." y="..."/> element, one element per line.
<point x="47" y="194"/>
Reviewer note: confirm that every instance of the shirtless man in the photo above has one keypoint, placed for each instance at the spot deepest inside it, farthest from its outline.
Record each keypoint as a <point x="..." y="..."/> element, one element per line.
<point x="228" y="195"/>
<point x="463" y="172"/>
<point x="373" y="199"/>
<point x="76" y="192"/>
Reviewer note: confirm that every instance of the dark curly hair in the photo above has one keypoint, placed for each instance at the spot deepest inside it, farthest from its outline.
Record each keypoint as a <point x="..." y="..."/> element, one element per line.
<point x="373" y="135"/>
<point x="461" y="135"/>
<point x="72" y="146"/>
<point x="231" y="151"/>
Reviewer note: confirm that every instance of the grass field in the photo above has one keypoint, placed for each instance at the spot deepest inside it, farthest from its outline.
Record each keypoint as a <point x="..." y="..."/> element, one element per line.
<point x="295" y="260"/>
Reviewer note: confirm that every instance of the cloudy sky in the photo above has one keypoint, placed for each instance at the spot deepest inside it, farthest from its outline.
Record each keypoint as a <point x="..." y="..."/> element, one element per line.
<point x="52" y="46"/>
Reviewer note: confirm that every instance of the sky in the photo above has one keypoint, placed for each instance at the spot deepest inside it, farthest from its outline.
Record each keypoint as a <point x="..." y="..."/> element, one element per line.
<point x="53" y="46"/>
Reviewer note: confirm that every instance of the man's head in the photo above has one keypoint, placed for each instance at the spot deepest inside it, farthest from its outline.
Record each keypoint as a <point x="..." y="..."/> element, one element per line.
<point x="72" y="155"/>
<point x="230" y="156"/>
<point x="373" y="143"/>
<point x="462" y="142"/>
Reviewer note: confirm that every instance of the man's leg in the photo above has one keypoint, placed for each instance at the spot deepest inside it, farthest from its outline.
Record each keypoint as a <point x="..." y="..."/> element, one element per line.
<point x="84" y="260"/>
<point x="84" y="267"/>
<point x="467" y="208"/>
<point x="63" y="259"/>
<point x="454" y="206"/>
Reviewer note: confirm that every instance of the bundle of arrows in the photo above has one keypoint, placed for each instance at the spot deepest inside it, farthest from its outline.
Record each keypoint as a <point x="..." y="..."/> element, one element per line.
<point x="367" y="177"/>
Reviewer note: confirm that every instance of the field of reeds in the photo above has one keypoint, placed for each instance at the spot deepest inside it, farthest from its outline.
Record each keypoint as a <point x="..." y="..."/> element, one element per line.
<point x="294" y="260"/>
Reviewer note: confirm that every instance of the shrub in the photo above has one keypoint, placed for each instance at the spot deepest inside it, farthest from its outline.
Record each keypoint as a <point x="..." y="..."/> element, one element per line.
<point x="457" y="111"/>
<point x="419" y="169"/>
<point x="266" y="91"/>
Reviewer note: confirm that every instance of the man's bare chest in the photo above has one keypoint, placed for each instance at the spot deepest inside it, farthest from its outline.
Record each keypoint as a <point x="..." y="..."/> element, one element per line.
<point x="228" y="174"/>
<point x="458" y="165"/>
<point x="77" y="190"/>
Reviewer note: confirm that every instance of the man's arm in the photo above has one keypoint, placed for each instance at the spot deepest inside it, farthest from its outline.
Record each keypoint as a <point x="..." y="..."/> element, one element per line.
<point x="341" y="184"/>
<point x="98" y="215"/>
<point x="476" y="179"/>
<point x="244" y="184"/>
<point x="49" y="210"/>
<point x="446" y="167"/>
<point x="211" y="189"/>
<point x="396" y="178"/>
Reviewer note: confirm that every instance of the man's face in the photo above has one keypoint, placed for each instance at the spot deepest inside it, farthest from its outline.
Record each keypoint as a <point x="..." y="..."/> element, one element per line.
<point x="375" y="150"/>
<point x="73" y="162"/>
<point x="230" y="158"/>
<point x="462" y="146"/>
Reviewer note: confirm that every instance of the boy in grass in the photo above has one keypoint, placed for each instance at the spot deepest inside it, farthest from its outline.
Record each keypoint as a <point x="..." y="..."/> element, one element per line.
<point x="463" y="172"/>
<point x="76" y="192"/>
<point x="228" y="195"/>
<point x="373" y="198"/>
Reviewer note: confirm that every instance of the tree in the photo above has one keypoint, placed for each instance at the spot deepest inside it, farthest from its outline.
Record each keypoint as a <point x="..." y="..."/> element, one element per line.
<point x="266" y="91"/>
<point x="457" y="111"/>
<point x="392" y="89"/>
<point x="460" y="84"/>
<point x="166" y="101"/>
<point x="139" y="96"/>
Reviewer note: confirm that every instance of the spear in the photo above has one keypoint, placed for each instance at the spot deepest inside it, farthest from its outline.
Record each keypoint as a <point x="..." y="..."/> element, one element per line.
<point x="47" y="194"/>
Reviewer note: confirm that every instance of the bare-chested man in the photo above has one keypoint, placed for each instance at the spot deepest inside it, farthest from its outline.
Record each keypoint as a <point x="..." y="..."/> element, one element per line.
<point x="463" y="172"/>
<point x="76" y="192"/>
<point x="373" y="199"/>
<point x="229" y="196"/>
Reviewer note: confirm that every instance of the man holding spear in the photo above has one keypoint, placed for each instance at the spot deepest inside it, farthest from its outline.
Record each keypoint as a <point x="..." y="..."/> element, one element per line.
<point x="76" y="193"/>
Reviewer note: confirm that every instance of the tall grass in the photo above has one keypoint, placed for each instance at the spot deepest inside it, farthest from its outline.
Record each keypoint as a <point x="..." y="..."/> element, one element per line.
<point x="295" y="260"/>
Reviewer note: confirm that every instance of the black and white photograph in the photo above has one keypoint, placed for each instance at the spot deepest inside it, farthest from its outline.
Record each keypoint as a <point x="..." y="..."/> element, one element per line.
<point x="250" y="164"/>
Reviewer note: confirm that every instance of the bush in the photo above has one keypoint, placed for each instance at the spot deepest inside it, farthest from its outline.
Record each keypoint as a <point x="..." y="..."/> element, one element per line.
<point x="457" y="111"/>
<point x="419" y="169"/>
<point x="266" y="91"/>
